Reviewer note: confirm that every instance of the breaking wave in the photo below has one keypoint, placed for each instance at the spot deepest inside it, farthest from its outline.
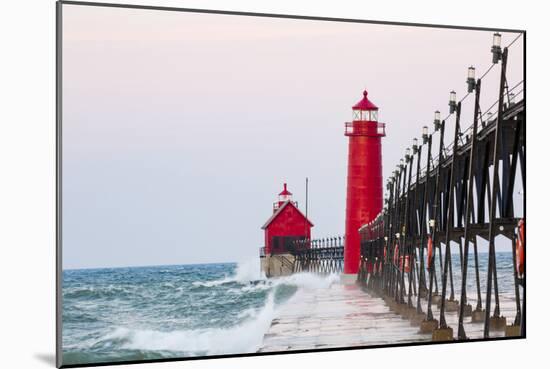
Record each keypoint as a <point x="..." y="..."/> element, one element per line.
<point x="245" y="337"/>
<point x="249" y="275"/>
<point x="246" y="272"/>
<point x="182" y="311"/>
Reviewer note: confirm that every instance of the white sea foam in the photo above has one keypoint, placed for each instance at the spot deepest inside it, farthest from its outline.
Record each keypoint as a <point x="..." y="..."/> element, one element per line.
<point x="301" y="280"/>
<point x="249" y="271"/>
<point x="246" y="337"/>
<point x="307" y="280"/>
<point x="257" y="287"/>
<point x="245" y="273"/>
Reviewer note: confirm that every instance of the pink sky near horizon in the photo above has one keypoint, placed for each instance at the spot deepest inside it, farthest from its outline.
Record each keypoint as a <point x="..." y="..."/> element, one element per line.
<point x="180" y="128"/>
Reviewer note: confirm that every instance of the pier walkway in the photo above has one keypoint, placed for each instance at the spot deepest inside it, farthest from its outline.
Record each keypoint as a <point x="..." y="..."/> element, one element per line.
<point x="347" y="316"/>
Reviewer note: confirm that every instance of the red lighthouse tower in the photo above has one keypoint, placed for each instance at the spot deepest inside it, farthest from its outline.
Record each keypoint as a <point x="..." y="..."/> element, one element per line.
<point x="364" y="192"/>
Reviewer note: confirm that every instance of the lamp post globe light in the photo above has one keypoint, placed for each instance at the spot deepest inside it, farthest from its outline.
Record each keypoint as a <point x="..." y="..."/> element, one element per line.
<point x="452" y="102"/>
<point x="408" y="154"/>
<point x="415" y="145"/>
<point x="425" y="134"/>
<point x="437" y="120"/>
<point x="471" y="80"/>
<point x="496" y="49"/>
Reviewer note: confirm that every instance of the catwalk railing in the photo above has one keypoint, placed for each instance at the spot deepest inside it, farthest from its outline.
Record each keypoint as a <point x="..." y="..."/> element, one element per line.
<point x="325" y="255"/>
<point x="464" y="195"/>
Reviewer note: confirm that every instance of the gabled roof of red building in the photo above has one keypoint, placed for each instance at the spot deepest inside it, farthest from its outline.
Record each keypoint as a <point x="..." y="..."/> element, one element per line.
<point x="365" y="103"/>
<point x="280" y="210"/>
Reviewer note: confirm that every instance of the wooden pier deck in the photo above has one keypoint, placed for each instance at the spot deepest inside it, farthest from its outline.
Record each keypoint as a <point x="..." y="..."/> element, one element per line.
<point x="346" y="316"/>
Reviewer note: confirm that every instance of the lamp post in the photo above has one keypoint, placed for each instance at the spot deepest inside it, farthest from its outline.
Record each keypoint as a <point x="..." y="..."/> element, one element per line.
<point x="511" y="98"/>
<point x="471" y="80"/>
<point x="415" y="145"/>
<point x="425" y="134"/>
<point x="437" y="120"/>
<point x="496" y="49"/>
<point x="407" y="154"/>
<point x="452" y="102"/>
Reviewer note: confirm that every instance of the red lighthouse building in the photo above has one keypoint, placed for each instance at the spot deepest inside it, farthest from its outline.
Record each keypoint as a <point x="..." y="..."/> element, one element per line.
<point x="364" y="182"/>
<point x="286" y="225"/>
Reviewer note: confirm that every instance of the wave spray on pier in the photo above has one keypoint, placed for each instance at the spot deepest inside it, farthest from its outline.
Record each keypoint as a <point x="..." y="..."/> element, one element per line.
<point x="173" y="311"/>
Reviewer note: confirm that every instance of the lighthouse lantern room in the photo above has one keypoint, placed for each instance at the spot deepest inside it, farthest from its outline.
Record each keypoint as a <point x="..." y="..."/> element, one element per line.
<point x="284" y="196"/>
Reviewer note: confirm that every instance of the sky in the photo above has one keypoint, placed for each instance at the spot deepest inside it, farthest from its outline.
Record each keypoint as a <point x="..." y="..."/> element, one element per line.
<point x="179" y="129"/>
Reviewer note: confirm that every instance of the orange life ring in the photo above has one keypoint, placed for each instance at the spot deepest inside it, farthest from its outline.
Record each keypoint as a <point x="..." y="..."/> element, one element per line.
<point x="430" y="251"/>
<point x="520" y="248"/>
<point x="407" y="266"/>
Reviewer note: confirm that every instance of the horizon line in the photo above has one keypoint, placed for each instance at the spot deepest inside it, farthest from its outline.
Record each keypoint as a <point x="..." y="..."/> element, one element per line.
<point x="219" y="262"/>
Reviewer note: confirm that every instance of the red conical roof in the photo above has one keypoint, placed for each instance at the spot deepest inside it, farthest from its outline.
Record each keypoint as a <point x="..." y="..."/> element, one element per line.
<point x="285" y="191"/>
<point x="365" y="104"/>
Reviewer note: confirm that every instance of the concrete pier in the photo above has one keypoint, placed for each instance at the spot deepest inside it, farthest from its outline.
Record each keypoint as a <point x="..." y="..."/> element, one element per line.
<point x="277" y="265"/>
<point x="345" y="315"/>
